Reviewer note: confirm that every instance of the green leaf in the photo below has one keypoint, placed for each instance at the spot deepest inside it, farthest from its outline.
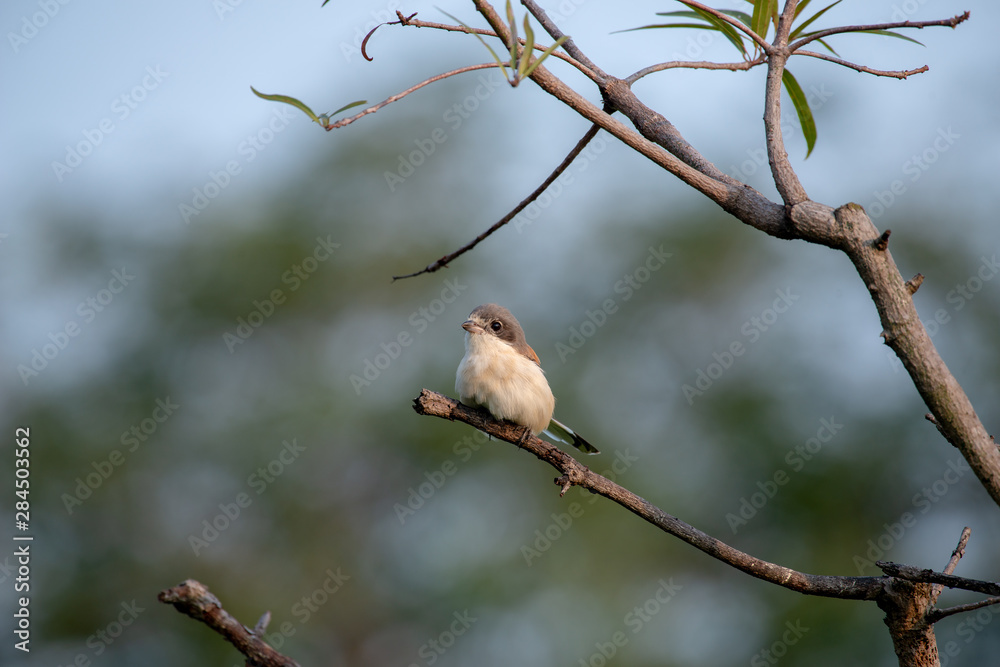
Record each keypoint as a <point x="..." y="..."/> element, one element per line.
<point x="500" y="63"/>
<point x="812" y="18"/>
<point x="802" y="109"/>
<point x="513" y="33"/>
<point x="700" y="26"/>
<point x="889" y="33"/>
<point x="289" y="100"/>
<point x="801" y="7"/>
<point x="828" y="47"/>
<point x="348" y="106"/>
<point x="742" y="17"/>
<point x="761" y="20"/>
<point x="545" y="54"/>
<point x="728" y="31"/>
<point x="529" y="46"/>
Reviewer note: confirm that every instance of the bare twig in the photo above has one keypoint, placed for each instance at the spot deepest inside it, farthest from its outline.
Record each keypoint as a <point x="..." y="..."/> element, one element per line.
<point x="896" y="74"/>
<point x="956" y="556"/>
<point x="697" y="64"/>
<point x="936" y="615"/>
<point x="914" y="283"/>
<point x="398" y="96"/>
<point x="195" y="600"/>
<point x="948" y="23"/>
<point x="417" y="23"/>
<point x="911" y="573"/>
<point x="580" y="145"/>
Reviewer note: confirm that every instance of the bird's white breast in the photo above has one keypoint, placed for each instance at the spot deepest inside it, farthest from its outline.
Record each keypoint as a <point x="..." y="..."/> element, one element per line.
<point x="495" y="376"/>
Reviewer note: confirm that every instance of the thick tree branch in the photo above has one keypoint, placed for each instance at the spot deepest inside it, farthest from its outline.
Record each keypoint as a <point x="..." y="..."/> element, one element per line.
<point x="195" y="600"/>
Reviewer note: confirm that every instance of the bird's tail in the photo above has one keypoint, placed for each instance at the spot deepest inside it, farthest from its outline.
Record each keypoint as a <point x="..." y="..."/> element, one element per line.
<point x="562" y="433"/>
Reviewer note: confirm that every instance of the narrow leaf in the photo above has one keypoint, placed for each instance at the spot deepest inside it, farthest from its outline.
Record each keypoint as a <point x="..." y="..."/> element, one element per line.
<point x="701" y="26"/>
<point x="545" y="54"/>
<point x="728" y="31"/>
<point x="801" y="7"/>
<point x="742" y="17"/>
<point x="761" y="19"/>
<point x="513" y="33"/>
<point x="812" y="18"/>
<point x="348" y="106"/>
<point x="889" y="33"/>
<point x="288" y="100"/>
<point x="802" y="109"/>
<point x="529" y="46"/>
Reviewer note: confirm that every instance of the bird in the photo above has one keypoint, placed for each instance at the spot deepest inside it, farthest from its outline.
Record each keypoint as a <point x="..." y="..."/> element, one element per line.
<point x="500" y="372"/>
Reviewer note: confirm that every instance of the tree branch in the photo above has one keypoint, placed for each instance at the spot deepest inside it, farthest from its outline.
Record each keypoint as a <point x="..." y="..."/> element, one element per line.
<point x="785" y="178"/>
<point x="700" y="64"/>
<point x="910" y="573"/>
<point x="949" y="23"/>
<point x="580" y="145"/>
<point x="897" y="74"/>
<point x="398" y="96"/>
<point x="956" y="556"/>
<point x="936" y="615"/>
<point x="569" y="45"/>
<point x="194" y="599"/>
<point x="574" y="473"/>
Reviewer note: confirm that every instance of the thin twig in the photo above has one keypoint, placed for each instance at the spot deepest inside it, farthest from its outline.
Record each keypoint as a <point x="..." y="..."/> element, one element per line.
<point x="694" y="64"/>
<point x="580" y="145"/>
<point x="195" y="600"/>
<point x="956" y="556"/>
<point x="398" y="96"/>
<point x="949" y="23"/>
<point x="896" y="74"/>
<point x="417" y="23"/>
<point x="935" y="615"/>
<point x="929" y="576"/>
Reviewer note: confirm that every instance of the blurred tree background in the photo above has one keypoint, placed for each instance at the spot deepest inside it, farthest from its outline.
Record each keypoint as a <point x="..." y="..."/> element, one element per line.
<point x="199" y="426"/>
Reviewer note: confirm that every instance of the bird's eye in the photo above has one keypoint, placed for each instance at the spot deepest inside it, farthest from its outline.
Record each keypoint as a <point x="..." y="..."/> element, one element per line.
<point x="496" y="326"/>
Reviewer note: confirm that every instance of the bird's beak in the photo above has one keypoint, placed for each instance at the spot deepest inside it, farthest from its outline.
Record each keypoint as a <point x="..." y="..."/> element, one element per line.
<point x="472" y="327"/>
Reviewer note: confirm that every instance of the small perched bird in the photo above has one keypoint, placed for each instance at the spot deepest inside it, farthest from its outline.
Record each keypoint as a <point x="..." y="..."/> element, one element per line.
<point x="500" y="372"/>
